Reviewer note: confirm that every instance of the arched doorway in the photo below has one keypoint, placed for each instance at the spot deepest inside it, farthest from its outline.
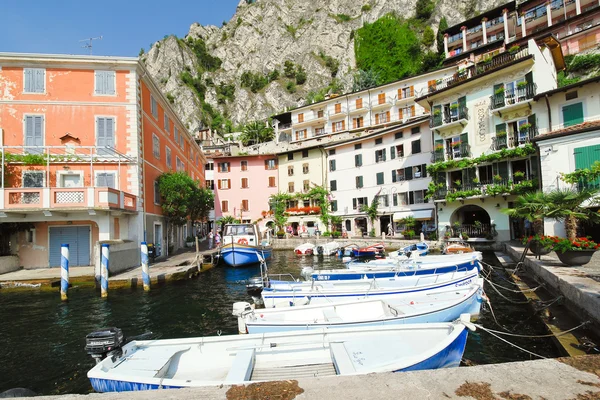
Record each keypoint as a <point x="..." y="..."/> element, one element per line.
<point x="360" y="226"/>
<point x="470" y="220"/>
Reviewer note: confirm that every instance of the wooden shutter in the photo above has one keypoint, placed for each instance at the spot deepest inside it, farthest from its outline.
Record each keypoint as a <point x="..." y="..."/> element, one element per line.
<point x="412" y="91"/>
<point x="354" y="203"/>
<point x="408" y="175"/>
<point x="392" y="152"/>
<point x="376" y="119"/>
<point x="381" y="98"/>
<point x="338" y="108"/>
<point x="344" y="125"/>
<point x="464" y="137"/>
<point x="387" y="114"/>
<point x="423" y="170"/>
<point x="412" y="111"/>
<point x="359" y="103"/>
<point x="400" y="96"/>
<point x="354" y="123"/>
<point x="266" y="164"/>
<point x="219" y="184"/>
<point x="300" y="117"/>
<point x="393" y="175"/>
<point x="228" y="183"/>
<point x="245" y="205"/>
<point x="333" y="127"/>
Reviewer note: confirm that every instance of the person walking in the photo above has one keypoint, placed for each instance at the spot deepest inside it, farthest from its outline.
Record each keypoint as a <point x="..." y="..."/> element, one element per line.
<point x="217" y="240"/>
<point x="210" y="240"/>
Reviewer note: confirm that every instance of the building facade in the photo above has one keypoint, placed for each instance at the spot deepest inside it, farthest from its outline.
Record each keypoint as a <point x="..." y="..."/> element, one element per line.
<point x="83" y="140"/>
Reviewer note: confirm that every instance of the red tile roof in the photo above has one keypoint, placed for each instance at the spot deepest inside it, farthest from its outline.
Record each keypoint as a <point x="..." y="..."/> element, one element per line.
<point x="585" y="126"/>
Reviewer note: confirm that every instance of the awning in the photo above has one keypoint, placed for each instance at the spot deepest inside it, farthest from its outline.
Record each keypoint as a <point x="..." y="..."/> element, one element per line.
<point x="419" y="215"/>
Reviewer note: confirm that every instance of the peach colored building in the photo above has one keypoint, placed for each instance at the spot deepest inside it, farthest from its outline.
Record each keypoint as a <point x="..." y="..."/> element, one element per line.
<point x="83" y="140"/>
<point x="244" y="185"/>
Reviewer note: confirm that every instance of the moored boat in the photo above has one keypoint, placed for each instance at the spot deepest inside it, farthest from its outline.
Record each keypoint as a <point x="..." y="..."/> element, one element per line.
<point x="441" y="306"/>
<point x="369" y="251"/>
<point x="239" y="359"/>
<point x="418" y="249"/>
<point x="305" y="249"/>
<point x="459" y="247"/>
<point x="327" y="249"/>
<point x="242" y="245"/>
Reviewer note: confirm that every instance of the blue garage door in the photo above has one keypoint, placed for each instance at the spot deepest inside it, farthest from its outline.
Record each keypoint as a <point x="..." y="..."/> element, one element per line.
<point x="78" y="238"/>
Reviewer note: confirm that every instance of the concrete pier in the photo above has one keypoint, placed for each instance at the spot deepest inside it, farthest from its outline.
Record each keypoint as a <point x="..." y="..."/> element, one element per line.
<point x="551" y="379"/>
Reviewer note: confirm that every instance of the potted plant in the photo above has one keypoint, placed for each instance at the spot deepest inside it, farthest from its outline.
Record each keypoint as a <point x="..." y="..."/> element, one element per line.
<point x="501" y="134"/>
<point x="280" y="234"/>
<point x="475" y="182"/>
<point x="518" y="175"/>
<point x="521" y="85"/>
<point x="575" y="252"/>
<point x="458" y="183"/>
<point x="514" y="49"/>
<point x="439" y="148"/>
<point x="453" y="107"/>
<point x="456" y="144"/>
<point x="524" y="127"/>
<point x="437" y="112"/>
<point x="539" y="244"/>
<point x="499" y="91"/>
<point x="497" y="178"/>
<point x="189" y="241"/>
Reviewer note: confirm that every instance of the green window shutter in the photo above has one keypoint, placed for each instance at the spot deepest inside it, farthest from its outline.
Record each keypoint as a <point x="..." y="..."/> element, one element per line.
<point x="393" y="175"/>
<point x="462" y="104"/>
<point x="384" y="159"/>
<point x="439" y="141"/>
<point x="498" y="99"/>
<point x="411" y="198"/>
<point x="408" y="175"/>
<point x="380" y="178"/>
<point x="392" y="152"/>
<point x="357" y="160"/>
<point x="533" y="166"/>
<point x="500" y="128"/>
<point x="424" y="171"/>
<point x="354" y="203"/>
<point x="334" y="206"/>
<point x="585" y="157"/>
<point x="464" y="137"/>
<point x="333" y="185"/>
<point x="532" y="120"/>
<point x="437" y="115"/>
<point x="503" y="169"/>
<point x="529" y="77"/>
<point x="573" y="114"/>
<point x="395" y="200"/>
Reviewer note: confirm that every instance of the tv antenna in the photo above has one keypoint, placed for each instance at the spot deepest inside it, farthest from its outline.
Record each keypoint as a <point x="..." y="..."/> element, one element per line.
<point x="88" y="43"/>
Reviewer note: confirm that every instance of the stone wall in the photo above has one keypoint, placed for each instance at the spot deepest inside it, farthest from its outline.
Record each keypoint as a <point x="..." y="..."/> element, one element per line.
<point x="123" y="256"/>
<point x="9" y="264"/>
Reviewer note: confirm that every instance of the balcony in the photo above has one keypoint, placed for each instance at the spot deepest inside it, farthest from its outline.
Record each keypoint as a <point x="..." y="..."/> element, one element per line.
<point x="483" y="67"/>
<point x="376" y="106"/>
<point x="303" y="210"/>
<point x="504" y="101"/>
<point x="450" y="118"/>
<point x="47" y="199"/>
<point x="514" y="139"/>
<point x="314" y="120"/>
<point x="452" y="153"/>
<point x="497" y="187"/>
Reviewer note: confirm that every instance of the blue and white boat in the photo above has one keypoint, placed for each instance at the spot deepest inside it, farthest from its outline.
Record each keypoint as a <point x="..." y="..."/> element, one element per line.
<point x="243" y="359"/>
<point x="384" y="263"/>
<point x="420" y="249"/>
<point x="242" y="245"/>
<point x="437" y="306"/>
<point x="287" y="294"/>
<point x="419" y="266"/>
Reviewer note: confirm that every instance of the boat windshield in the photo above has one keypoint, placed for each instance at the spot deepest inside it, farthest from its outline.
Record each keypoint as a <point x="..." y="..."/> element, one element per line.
<point x="238" y="230"/>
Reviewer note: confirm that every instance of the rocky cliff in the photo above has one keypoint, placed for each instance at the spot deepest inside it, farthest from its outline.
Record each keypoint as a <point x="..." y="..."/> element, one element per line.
<point x="224" y="77"/>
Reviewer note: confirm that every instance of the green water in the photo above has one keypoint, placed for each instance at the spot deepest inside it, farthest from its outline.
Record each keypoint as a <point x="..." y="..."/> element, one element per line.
<point x="43" y="339"/>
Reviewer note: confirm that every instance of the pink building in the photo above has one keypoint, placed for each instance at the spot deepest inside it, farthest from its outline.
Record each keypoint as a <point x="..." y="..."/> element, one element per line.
<point x="244" y="185"/>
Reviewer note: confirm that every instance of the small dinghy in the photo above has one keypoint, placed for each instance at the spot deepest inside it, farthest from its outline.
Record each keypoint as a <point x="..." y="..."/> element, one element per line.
<point x="242" y="359"/>
<point x="442" y="306"/>
<point x="305" y="249"/>
<point x="369" y="251"/>
<point x="418" y="249"/>
<point x="457" y="248"/>
<point x="327" y="249"/>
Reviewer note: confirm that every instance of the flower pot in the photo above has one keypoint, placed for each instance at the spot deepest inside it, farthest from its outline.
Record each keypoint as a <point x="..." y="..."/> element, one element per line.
<point x="536" y="248"/>
<point x="575" y="257"/>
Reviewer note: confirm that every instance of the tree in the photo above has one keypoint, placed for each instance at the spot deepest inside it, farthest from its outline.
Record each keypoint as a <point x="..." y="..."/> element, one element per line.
<point x="365" y="80"/>
<point x="335" y="220"/>
<point x="201" y="202"/>
<point x="256" y="132"/>
<point x="289" y="69"/>
<point x="278" y="205"/>
<point x="228" y="219"/>
<point x="532" y="206"/>
<point x="300" y="75"/>
<point x="428" y="37"/>
<point x="571" y="206"/>
<point x="443" y="25"/>
<point x="424" y="9"/>
<point x="371" y="210"/>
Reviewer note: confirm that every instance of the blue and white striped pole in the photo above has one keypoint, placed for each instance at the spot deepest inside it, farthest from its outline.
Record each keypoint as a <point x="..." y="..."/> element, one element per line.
<point x="145" y="270"/>
<point x="104" y="271"/>
<point x="64" y="271"/>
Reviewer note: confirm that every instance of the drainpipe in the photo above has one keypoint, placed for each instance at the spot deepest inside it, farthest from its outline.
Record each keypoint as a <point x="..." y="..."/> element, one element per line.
<point x="549" y="113"/>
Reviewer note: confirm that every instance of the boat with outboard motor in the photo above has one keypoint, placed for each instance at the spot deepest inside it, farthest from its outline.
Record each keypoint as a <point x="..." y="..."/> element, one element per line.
<point x="305" y="249"/>
<point x="242" y="245"/>
<point x="242" y="359"/>
<point x="437" y="306"/>
<point x="327" y="249"/>
<point x="418" y="249"/>
<point x="369" y="251"/>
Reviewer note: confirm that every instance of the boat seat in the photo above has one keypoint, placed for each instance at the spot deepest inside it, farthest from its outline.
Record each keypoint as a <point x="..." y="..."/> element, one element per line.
<point x="331" y="316"/>
<point x="241" y="367"/>
<point x="342" y="361"/>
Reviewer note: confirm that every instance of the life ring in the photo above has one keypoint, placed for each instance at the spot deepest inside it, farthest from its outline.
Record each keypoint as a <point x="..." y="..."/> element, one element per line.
<point x="242" y="241"/>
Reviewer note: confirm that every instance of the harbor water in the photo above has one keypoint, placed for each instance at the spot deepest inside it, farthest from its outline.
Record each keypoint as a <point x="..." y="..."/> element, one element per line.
<point x="43" y="338"/>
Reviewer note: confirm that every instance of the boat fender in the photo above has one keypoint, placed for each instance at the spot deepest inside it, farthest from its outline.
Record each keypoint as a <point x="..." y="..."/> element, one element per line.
<point x="465" y="319"/>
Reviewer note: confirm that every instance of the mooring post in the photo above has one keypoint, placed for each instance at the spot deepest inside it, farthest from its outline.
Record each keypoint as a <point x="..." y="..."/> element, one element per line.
<point x="145" y="269"/>
<point x="104" y="270"/>
<point x="64" y="271"/>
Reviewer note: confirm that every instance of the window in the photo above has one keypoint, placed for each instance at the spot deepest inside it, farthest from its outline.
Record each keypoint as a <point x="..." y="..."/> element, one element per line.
<point x="417" y="197"/>
<point x="358" y="146"/>
<point x="223" y="167"/>
<point x="319" y="131"/>
<point x="333" y="185"/>
<point x="305" y="168"/>
<point x="105" y="179"/>
<point x="306" y="185"/>
<point x="332" y="152"/>
<point x="416" y="146"/>
<point x="209" y="166"/>
<point x="415" y="130"/>
<point x="358" y="122"/>
<point x="271" y="163"/>
<point x="176" y="135"/>
<point x="380" y="178"/>
<point x="224" y="206"/>
<point x="358" y="160"/>
<point x="210" y="184"/>
<point x="403" y="199"/>
<point x="153" y="107"/>
<point x="380" y="156"/>
<point x="33" y="179"/>
<point x="181" y="141"/>
<point x="155" y="146"/>
<point x="224" y="184"/>
<point x="338" y="108"/>
<point x="300" y="117"/>
<point x="338" y="126"/>
<point x="359" y="182"/>
<point x="406" y="112"/>
<point x="334" y="206"/>
<point x="34" y="80"/>
<point x="382" y="118"/>
<point x="167" y="124"/>
<point x="290" y="156"/>
<point x="105" y="135"/>
<point x="180" y="165"/>
<point x="417" y="171"/>
<point x="34" y="133"/>
<point x="245" y="206"/>
<point x="290" y="170"/>
<point x="359" y="104"/>
<point x="381" y="98"/>
<point x="378" y="140"/>
<point x="572" y="114"/>
<point x="406" y="92"/>
<point x="271" y="181"/>
<point x="398" y="135"/>
<point x="169" y="159"/>
<point x="245" y="183"/>
<point x="304" y="153"/>
<point x="105" y="83"/>
<point x="156" y="193"/>
<point x="290" y="187"/>
<point x="398" y="175"/>
<point x="331" y="165"/>
<point x="358" y="202"/>
<point x="301" y="134"/>
<point x="397" y="150"/>
<point x="244" y="165"/>
<point x="320" y="114"/>
<point x="383" y="200"/>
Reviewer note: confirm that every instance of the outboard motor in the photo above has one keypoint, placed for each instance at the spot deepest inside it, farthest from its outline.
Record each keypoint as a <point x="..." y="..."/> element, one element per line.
<point x="307" y="272"/>
<point x="240" y="310"/>
<point x="104" y="343"/>
<point x="319" y="250"/>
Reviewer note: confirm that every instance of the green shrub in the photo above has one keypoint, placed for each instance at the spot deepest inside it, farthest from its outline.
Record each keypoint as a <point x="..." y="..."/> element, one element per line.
<point x="326" y="234"/>
<point x="424" y="9"/>
<point x="289" y="69"/>
<point x="254" y="81"/>
<point x="339" y="18"/>
<point x="291" y="87"/>
<point x="225" y="93"/>
<point x="300" y="75"/>
<point x="584" y="62"/>
<point x="205" y="59"/>
<point x="273" y="75"/>
<point x="428" y="37"/>
<point x="336" y="234"/>
<point x="366" y="8"/>
<point x="170" y="97"/>
<point x="331" y="63"/>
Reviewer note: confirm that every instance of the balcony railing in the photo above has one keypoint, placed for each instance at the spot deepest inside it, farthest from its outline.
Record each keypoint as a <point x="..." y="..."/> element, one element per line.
<point x="514" y="139"/>
<point x="66" y="198"/>
<point x="519" y="95"/>
<point x="452" y="153"/>
<point x="480" y="68"/>
<point x="516" y="185"/>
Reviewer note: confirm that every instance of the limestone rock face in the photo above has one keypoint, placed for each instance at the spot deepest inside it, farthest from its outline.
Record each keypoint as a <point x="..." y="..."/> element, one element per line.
<point x="261" y="36"/>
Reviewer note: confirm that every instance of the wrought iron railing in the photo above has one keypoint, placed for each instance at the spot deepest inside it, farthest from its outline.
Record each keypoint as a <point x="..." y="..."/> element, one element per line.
<point x="514" y="139"/>
<point x="519" y="95"/>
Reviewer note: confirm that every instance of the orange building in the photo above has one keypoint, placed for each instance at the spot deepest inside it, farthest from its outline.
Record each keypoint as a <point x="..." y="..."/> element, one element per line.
<point x="83" y="140"/>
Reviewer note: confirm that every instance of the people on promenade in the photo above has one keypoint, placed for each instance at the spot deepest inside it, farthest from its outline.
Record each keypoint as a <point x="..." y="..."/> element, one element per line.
<point x="217" y="240"/>
<point x="210" y="240"/>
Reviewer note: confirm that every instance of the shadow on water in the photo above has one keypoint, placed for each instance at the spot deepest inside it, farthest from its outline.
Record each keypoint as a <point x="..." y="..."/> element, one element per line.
<point x="43" y="339"/>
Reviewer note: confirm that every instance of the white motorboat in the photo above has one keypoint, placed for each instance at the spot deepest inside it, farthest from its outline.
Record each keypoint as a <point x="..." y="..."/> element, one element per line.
<point x="327" y="249"/>
<point x="305" y="249"/>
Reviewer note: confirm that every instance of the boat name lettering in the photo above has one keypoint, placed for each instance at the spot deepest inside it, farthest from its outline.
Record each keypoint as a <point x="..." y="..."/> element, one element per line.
<point x="323" y="277"/>
<point x="465" y="283"/>
<point x="357" y="355"/>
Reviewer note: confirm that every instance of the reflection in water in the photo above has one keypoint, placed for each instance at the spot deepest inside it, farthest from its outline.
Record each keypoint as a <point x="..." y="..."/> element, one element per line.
<point x="43" y="338"/>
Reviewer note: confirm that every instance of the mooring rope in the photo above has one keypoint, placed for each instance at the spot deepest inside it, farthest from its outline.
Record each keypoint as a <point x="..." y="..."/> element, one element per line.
<point x="509" y="300"/>
<point x="534" y="336"/>
<point x="513" y="290"/>
<point x="506" y="341"/>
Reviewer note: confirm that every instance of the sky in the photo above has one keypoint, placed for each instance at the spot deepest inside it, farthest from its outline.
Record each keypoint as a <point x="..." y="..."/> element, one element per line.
<point x="126" y="26"/>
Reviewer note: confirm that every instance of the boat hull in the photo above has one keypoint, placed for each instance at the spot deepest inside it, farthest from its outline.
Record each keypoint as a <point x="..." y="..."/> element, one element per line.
<point x="239" y="255"/>
<point x="449" y="357"/>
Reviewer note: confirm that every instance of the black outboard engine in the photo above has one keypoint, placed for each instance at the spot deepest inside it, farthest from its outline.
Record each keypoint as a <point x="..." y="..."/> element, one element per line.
<point x="319" y="250"/>
<point x="104" y="343"/>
